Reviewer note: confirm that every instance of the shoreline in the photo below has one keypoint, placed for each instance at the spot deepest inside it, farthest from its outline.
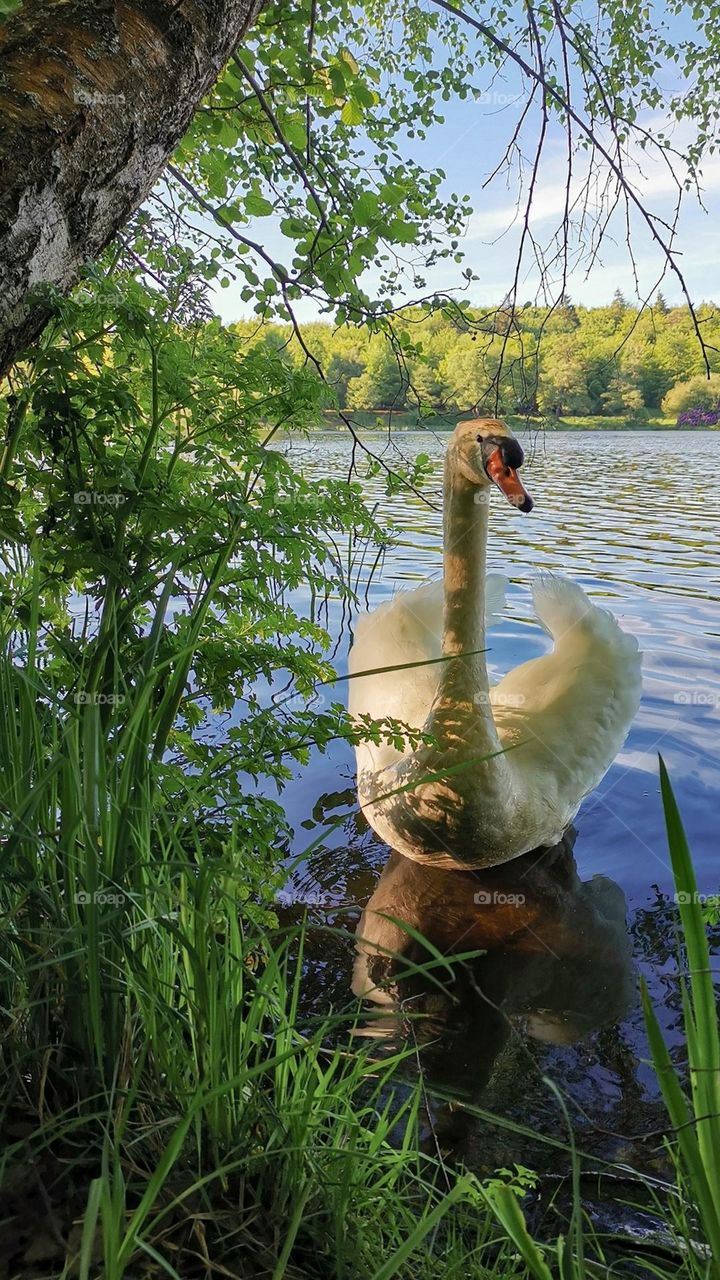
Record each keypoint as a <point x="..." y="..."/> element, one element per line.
<point x="529" y="428"/>
<point x="398" y="426"/>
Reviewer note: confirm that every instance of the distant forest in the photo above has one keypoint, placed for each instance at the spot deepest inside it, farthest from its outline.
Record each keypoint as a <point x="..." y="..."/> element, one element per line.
<point x="570" y="360"/>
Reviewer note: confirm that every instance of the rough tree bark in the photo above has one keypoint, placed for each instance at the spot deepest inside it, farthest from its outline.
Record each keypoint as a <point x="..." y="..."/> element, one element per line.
<point x="94" y="96"/>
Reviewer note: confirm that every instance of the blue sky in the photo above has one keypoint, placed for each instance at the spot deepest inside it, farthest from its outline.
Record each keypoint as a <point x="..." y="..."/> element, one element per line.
<point x="469" y="144"/>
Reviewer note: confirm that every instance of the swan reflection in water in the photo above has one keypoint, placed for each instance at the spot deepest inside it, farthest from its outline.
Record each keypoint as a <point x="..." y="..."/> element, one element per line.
<point x="556" y="960"/>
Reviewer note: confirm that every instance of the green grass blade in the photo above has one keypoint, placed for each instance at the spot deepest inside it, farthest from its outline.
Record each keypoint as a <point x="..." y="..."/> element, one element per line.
<point x="504" y="1204"/>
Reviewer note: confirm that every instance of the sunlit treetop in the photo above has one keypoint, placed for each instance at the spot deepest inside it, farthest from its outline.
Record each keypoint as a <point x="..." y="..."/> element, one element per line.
<point x="320" y="121"/>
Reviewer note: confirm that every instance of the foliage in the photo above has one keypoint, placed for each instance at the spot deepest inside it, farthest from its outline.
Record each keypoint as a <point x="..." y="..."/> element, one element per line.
<point x="601" y="362"/>
<point x="153" y="536"/>
<point x="381" y="383"/>
<point x="138" y="472"/>
<point x="152" y="1043"/>
<point x="694" y="418"/>
<point x="698" y="393"/>
<point x="695" y="1118"/>
<point x="152" y="540"/>
<point x="299" y="180"/>
<point x="168" y="1093"/>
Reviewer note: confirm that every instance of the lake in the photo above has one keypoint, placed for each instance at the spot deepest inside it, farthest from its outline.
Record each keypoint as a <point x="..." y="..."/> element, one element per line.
<point x="634" y="518"/>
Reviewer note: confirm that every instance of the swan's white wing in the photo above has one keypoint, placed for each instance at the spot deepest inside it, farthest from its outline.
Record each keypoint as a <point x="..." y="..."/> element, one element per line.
<point x="406" y="629"/>
<point x="571" y="709"/>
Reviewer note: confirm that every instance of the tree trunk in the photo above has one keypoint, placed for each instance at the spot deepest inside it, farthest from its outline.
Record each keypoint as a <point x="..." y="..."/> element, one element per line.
<point x="94" y="96"/>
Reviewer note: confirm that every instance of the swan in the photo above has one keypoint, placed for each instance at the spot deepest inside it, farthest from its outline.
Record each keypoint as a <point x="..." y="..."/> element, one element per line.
<point x="500" y="771"/>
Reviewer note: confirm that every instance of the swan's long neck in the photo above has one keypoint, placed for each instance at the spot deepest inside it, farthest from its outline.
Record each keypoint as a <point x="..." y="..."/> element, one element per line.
<point x="462" y="715"/>
<point x="464" y="802"/>
<point x="465" y="519"/>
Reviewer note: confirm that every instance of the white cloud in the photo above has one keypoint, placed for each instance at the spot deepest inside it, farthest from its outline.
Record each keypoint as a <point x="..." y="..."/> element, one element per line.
<point x="647" y="172"/>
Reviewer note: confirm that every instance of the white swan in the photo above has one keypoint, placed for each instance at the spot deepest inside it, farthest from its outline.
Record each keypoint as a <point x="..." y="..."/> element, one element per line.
<point x="516" y="760"/>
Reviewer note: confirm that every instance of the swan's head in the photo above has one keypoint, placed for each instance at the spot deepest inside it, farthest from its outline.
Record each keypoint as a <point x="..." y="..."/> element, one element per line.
<point x="486" y="452"/>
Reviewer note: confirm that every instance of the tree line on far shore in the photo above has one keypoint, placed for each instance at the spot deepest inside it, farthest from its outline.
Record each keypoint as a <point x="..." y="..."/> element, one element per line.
<point x="569" y="360"/>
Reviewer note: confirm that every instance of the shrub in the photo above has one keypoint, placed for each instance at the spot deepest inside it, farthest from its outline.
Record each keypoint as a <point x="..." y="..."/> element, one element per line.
<point x="695" y="395"/>
<point x="699" y="417"/>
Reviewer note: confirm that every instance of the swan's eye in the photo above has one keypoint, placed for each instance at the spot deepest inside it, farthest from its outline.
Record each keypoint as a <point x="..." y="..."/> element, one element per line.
<point x="510" y="449"/>
<point x="513" y="454"/>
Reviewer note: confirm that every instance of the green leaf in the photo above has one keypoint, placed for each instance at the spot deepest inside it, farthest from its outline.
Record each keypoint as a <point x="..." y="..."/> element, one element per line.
<point x="366" y="209"/>
<point x="348" y="58"/>
<point x="296" y="134"/>
<point x="392" y="193"/>
<point x="352" y="112"/>
<point x="337" y="80"/>
<point x="366" y="97"/>
<point x="257" y="206"/>
<point x="402" y="232"/>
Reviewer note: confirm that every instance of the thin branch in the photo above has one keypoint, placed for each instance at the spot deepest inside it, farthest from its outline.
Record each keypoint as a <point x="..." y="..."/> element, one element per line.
<point x="277" y="130"/>
<point x="588" y="130"/>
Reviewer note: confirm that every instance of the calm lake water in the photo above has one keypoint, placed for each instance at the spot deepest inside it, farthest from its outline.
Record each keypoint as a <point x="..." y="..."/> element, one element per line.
<point x="635" y="519"/>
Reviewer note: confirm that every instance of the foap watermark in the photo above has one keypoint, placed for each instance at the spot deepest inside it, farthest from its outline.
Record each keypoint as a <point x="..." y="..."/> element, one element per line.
<point x="291" y="703"/>
<point x="697" y="698"/>
<point x="83" y="294"/>
<point x="300" y="502"/>
<point x="84" y="698"/>
<point x="100" y="898"/>
<point x="496" y="698"/>
<point x="494" y="98"/>
<point x="93" y="98"/>
<point x="684" y="899"/>
<point x="312" y="899"/>
<point x="97" y="498"/>
<point x="494" y="898"/>
<point x="482" y="497"/>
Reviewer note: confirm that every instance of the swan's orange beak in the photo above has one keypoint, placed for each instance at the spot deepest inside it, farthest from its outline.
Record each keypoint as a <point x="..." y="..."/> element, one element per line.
<point x="508" y="481"/>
